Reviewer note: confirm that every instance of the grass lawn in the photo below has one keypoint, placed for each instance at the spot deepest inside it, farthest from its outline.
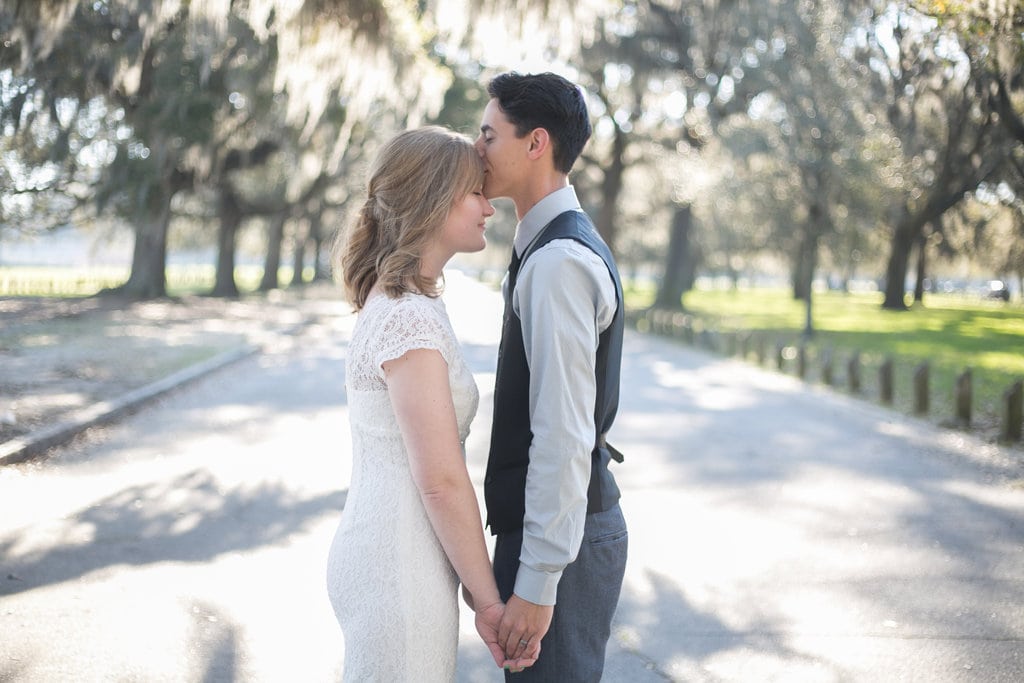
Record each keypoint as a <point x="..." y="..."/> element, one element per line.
<point x="75" y="282"/>
<point x="951" y="333"/>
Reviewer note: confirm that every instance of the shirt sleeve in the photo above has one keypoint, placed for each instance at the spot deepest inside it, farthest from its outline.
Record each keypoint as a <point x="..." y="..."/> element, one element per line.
<point x="565" y="298"/>
<point x="410" y="324"/>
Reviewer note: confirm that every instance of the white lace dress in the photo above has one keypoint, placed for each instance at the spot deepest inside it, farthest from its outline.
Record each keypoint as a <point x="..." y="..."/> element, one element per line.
<point x="389" y="581"/>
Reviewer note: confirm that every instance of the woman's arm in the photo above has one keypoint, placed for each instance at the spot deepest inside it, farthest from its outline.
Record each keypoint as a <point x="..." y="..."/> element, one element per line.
<point x="422" y="400"/>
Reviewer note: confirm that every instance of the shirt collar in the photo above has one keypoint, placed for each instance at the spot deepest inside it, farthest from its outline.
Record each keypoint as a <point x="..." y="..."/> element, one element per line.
<point x="542" y="213"/>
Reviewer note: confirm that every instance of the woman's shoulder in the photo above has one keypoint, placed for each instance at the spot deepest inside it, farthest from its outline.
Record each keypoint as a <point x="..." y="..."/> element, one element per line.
<point x="409" y="321"/>
<point x="408" y="309"/>
<point x="406" y="303"/>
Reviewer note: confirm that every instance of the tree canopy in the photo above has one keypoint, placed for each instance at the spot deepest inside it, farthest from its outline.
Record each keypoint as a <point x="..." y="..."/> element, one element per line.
<point x="848" y="139"/>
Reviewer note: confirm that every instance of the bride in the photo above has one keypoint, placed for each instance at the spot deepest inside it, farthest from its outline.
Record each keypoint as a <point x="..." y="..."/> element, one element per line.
<point x="410" y="530"/>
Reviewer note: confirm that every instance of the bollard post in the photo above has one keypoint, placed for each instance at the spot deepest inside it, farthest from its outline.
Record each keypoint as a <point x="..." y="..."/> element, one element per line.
<point x="885" y="381"/>
<point x="826" y="367"/>
<point x="853" y="372"/>
<point x="780" y="356"/>
<point x="730" y="344"/>
<point x="801" y="361"/>
<point x="688" y="330"/>
<point x="676" y="324"/>
<point x="646" y="322"/>
<point x="921" y="389"/>
<point x="1013" y="398"/>
<point x="963" y="397"/>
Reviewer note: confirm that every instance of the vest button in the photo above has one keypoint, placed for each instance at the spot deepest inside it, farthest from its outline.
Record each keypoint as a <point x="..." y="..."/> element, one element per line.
<point x="489" y="479"/>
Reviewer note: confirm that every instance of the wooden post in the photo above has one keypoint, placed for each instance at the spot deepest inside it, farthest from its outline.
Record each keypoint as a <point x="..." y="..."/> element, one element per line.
<point x="921" y="389"/>
<point x="1012" y="404"/>
<point x="826" y="367"/>
<point x="801" y="361"/>
<point x="730" y="344"/>
<point x="744" y="343"/>
<point x="885" y="381"/>
<point x="648" y="321"/>
<point x="760" y="349"/>
<point x="714" y="340"/>
<point x="853" y="372"/>
<point x="780" y="356"/>
<point x="688" y="330"/>
<point x="660" y="319"/>
<point x="962" y="398"/>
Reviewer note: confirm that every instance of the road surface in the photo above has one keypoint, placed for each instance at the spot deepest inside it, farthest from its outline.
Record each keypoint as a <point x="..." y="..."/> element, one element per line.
<point x="778" y="532"/>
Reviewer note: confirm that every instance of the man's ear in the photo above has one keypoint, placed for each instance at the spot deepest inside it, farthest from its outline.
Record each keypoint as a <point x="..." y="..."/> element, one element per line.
<point x="540" y="142"/>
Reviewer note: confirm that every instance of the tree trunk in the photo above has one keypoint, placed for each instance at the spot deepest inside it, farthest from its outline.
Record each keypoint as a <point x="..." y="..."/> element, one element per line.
<point x="807" y="255"/>
<point x="227" y="234"/>
<point x="611" y="188"/>
<point x="316" y="233"/>
<point x="907" y="232"/>
<point x="810" y="266"/>
<point x="679" y="261"/>
<point x="921" y="271"/>
<point x="272" y="263"/>
<point x="803" y="268"/>
<point x="300" y="243"/>
<point x="148" y="278"/>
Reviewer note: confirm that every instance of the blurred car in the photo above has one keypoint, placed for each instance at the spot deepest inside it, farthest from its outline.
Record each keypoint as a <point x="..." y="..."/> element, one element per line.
<point x="997" y="290"/>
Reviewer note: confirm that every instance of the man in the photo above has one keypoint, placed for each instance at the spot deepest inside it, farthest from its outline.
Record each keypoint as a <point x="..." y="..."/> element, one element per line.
<point x="560" y="551"/>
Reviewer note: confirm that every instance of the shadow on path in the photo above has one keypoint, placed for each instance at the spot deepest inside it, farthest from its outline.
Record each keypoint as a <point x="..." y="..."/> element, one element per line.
<point x="184" y="520"/>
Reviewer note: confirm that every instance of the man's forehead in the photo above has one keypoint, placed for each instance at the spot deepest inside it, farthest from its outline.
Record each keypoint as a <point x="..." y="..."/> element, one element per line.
<point x="493" y="117"/>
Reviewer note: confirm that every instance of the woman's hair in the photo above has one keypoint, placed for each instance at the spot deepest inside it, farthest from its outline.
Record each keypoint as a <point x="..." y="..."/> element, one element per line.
<point x="416" y="179"/>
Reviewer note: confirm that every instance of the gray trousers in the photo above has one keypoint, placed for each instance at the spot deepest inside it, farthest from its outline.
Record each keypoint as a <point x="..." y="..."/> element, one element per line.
<point x="574" y="647"/>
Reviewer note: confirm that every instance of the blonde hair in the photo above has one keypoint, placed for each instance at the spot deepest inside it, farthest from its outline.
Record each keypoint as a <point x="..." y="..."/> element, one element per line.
<point x="414" y="182"/>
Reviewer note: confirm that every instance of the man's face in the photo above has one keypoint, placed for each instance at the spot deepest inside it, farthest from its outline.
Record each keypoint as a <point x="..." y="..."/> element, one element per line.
<point x="504" y="154"/>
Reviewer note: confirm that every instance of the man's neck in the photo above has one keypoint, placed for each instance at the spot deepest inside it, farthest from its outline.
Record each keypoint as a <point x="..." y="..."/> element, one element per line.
<point x="538" y="190"/>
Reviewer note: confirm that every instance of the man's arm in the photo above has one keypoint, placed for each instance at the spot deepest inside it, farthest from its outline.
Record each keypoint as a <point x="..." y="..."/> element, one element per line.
<point x="564" y="297"/>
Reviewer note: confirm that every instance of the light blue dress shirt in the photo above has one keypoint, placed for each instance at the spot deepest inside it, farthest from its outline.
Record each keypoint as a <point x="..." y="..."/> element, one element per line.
<point x="565" y="298"/>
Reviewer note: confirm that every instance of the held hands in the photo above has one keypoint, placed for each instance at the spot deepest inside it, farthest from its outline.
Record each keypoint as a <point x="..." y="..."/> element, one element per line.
<point x="522" y="627"/>
<point x="487" y="620"/>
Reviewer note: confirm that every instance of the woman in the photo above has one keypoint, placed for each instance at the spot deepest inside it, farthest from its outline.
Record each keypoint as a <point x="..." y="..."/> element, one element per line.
<point x="411" y="527"/>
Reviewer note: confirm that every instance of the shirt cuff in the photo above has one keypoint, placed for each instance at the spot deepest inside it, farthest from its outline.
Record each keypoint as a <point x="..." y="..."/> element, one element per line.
<point x="536" y="586"/>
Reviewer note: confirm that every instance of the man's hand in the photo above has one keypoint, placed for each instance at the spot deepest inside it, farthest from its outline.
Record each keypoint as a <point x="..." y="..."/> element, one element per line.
<point x="487" y="621"/>
<point x="522" y="628"/>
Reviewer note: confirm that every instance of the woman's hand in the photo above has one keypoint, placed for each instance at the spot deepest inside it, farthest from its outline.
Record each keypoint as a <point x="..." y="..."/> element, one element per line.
<point x="487" y="620"/>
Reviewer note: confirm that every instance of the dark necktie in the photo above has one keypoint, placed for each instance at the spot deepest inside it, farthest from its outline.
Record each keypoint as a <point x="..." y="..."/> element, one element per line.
<point x="513" y="266"/>
<point x="510" y="281"/>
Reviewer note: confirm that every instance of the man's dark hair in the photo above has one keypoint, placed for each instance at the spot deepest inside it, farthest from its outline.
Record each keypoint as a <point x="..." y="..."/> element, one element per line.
<point x="545" y="101"/>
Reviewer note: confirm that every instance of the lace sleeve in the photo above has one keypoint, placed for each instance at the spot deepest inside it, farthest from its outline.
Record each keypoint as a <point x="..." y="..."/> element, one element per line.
<point x="412" y="324"/>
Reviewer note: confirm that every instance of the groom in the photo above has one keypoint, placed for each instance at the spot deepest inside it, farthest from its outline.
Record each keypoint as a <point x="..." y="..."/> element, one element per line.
<point x="560" y="551"/>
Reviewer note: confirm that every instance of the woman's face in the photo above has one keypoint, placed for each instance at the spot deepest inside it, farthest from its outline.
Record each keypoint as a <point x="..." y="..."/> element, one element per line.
<point x="464" y="228"/>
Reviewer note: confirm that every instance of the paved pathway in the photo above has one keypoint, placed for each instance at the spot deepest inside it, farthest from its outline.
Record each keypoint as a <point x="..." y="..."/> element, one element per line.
<point x="778" y="532"/>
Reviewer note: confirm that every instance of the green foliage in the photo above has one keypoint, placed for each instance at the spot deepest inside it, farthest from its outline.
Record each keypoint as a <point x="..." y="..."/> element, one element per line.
<point x="81" y="282"/>
<point x="951" y="332"/>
